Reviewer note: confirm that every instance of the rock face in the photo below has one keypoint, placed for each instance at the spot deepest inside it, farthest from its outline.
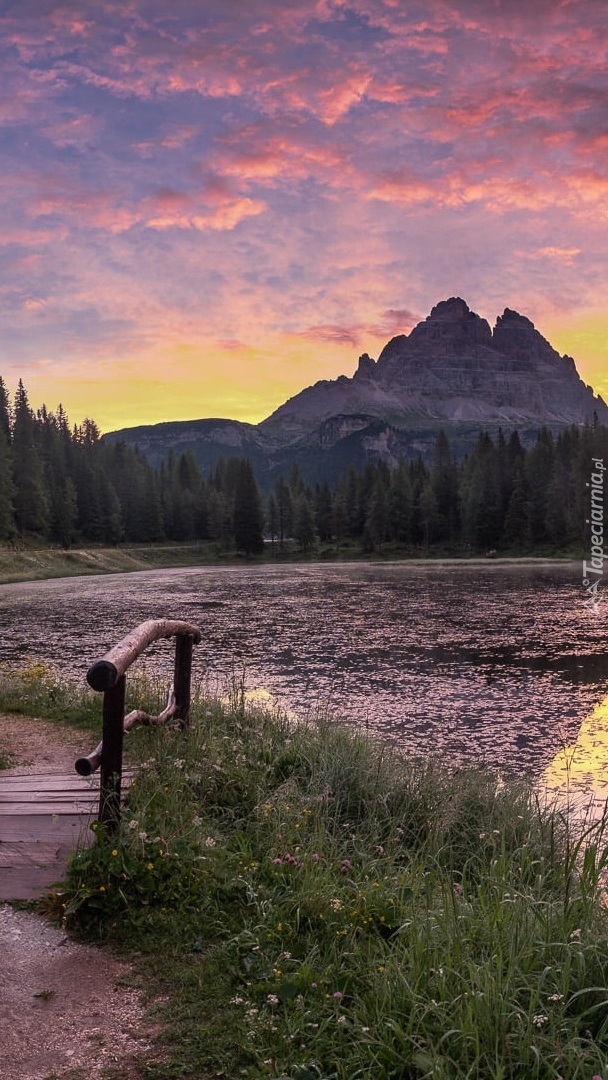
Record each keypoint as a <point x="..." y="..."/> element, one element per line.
<point x="452" y="371"/>
<point x="453" y="368"/>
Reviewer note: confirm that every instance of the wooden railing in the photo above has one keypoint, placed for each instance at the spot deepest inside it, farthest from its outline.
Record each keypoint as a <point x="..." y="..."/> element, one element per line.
<point x="109" y="675"/>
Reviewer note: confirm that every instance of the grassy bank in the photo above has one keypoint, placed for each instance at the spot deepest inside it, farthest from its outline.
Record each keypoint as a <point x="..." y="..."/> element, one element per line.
<point x="31" y="563"/>
<point x="303" y="903"/>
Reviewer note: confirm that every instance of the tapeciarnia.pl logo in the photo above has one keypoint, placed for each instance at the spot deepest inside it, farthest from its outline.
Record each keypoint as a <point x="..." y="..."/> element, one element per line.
<point x="593" y="570"/>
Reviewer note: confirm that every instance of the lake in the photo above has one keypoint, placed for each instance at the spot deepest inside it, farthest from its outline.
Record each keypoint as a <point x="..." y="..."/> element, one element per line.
<point x="481" y="662"/>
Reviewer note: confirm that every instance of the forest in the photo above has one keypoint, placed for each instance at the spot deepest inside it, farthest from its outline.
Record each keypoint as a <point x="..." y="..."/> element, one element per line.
<point x="67" y="486"/>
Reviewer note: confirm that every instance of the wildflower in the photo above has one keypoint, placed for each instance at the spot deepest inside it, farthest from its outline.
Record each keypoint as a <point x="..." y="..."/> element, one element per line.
<point x="133" y="824"/>
<point x="272" y="999"/>
<point x="341" y="1020"/>
<point x="556" y="997"/>
<point x="365" y="1030"/>
<point x="346" y="865"/>
<point x="539" y="1020"/>
<point x="142" y="835"/>
<point x="575" y="933"/>
<point x="210" y="842"/>
<point x="102" y="888"/>
<point x="458" y="889"/>
<point x="150" y="866"/>
<point x="315" y="857"/>
<point x="277" y="862"/>
<point x="313" y="986"/>
<point x="336" y="904"/>
<point x="482" y="835"/>
<point x="179" y="763"/>
<point x="114" y="852"/>
<point x="237" y="1000"/>
<point x="337" y="995"/>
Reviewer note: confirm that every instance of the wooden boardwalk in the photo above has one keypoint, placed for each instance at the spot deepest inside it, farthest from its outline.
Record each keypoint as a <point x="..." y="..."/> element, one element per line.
<point x="42" y="819"/>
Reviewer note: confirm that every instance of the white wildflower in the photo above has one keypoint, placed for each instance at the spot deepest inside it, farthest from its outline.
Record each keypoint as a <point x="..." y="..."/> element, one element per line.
<point x="539" y="1020"/>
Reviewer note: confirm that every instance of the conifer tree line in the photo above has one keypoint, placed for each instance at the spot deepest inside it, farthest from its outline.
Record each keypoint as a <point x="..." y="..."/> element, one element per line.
<point x="500" y="497"/>
<point x="64" y="485"/>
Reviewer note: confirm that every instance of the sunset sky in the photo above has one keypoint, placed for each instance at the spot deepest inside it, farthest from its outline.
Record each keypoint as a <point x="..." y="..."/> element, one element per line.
<point x="209" y="204"/>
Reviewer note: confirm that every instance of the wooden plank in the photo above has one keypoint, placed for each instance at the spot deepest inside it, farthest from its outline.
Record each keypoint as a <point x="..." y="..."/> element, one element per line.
<point x="31" y="853"/>
<point x="65" y="828"/>
<point x="74" y="792"/>
<point x="48" y="796"/>
<point x="53" y="780"/>
<point x="46" y="783"/>
<point x="38" y="810"/>
<point x="30" y="882"/>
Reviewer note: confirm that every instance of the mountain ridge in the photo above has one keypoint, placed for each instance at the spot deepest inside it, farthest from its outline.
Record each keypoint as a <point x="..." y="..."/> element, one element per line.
<point x="452" y="371"/>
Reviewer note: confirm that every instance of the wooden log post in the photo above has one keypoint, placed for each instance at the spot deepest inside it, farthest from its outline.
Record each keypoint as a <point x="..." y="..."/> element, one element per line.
<point x="111" y="757"/>
<point x="183" y="677"/>
<point x="108" y="675"/>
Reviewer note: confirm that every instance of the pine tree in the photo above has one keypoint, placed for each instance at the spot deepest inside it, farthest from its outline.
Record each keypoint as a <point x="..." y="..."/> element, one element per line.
<point x="377" y="522"/>
<point x="444" y="481"/>
<point x="31" y="496"/>
<point x="323" y="511"/>
<point x="273" y="517"/>
<point x="539" y="466"/>
<point x="284" y="502"/>
<point x="400" y="504"/>
<point x="516" y="518"/>
<point x="248" y="514"/>
<point x="304" y="529"/>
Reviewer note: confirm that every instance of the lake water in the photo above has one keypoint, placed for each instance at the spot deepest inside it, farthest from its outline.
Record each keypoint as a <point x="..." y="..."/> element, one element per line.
<point x="500" y="663"/>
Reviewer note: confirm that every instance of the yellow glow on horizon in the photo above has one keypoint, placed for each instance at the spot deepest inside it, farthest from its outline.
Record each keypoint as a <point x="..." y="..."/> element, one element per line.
<point x="586" y="339"/>
<point x="190" y="381"/>
<point x="195" y="380"/>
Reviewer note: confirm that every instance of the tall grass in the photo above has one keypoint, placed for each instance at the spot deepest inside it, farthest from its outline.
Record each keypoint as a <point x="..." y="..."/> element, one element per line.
<point x="308" y="904"/>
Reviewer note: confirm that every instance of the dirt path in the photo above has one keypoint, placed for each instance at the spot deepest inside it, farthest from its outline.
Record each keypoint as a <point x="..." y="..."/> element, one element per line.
<point x="66" y="1010"/>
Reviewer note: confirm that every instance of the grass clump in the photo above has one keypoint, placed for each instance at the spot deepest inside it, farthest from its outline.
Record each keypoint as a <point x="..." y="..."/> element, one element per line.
<point x="307" y="904"/>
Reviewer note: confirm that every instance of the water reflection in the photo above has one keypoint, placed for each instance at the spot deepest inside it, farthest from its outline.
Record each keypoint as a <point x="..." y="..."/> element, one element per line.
<point x="579" y="771"/>
<point x="494" y="663"/>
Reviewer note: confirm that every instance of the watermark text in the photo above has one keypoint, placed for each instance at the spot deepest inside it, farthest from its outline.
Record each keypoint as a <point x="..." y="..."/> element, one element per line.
<point x="594" y="569"/>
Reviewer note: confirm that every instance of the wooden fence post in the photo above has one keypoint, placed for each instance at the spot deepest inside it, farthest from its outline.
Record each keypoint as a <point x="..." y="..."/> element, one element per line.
<point x="111" y="756"/>
<point x="182" y="677"/>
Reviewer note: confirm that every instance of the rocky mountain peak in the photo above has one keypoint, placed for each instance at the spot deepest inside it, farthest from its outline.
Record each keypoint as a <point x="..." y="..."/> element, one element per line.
<point x="452" y="368"/>
<point x="366" y="368"/>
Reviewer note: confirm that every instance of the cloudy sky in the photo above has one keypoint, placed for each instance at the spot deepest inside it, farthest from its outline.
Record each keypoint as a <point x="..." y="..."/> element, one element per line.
<point x="207" y="205"/>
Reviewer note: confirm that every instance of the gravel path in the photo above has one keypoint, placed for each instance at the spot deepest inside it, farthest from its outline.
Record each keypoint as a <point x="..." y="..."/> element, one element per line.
<point x="66" y="1009"/>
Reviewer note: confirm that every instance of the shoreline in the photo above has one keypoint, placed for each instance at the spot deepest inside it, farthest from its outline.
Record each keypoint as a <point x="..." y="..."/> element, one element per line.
<point x="41" y="564"/>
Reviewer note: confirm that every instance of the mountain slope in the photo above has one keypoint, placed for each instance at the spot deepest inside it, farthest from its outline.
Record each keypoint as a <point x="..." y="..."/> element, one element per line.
<point x="451" y="371"/>
<point x="453" y="368"/>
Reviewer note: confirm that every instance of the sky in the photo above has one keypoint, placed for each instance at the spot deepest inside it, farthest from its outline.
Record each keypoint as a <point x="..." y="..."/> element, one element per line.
<point x="207" y="205"/>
